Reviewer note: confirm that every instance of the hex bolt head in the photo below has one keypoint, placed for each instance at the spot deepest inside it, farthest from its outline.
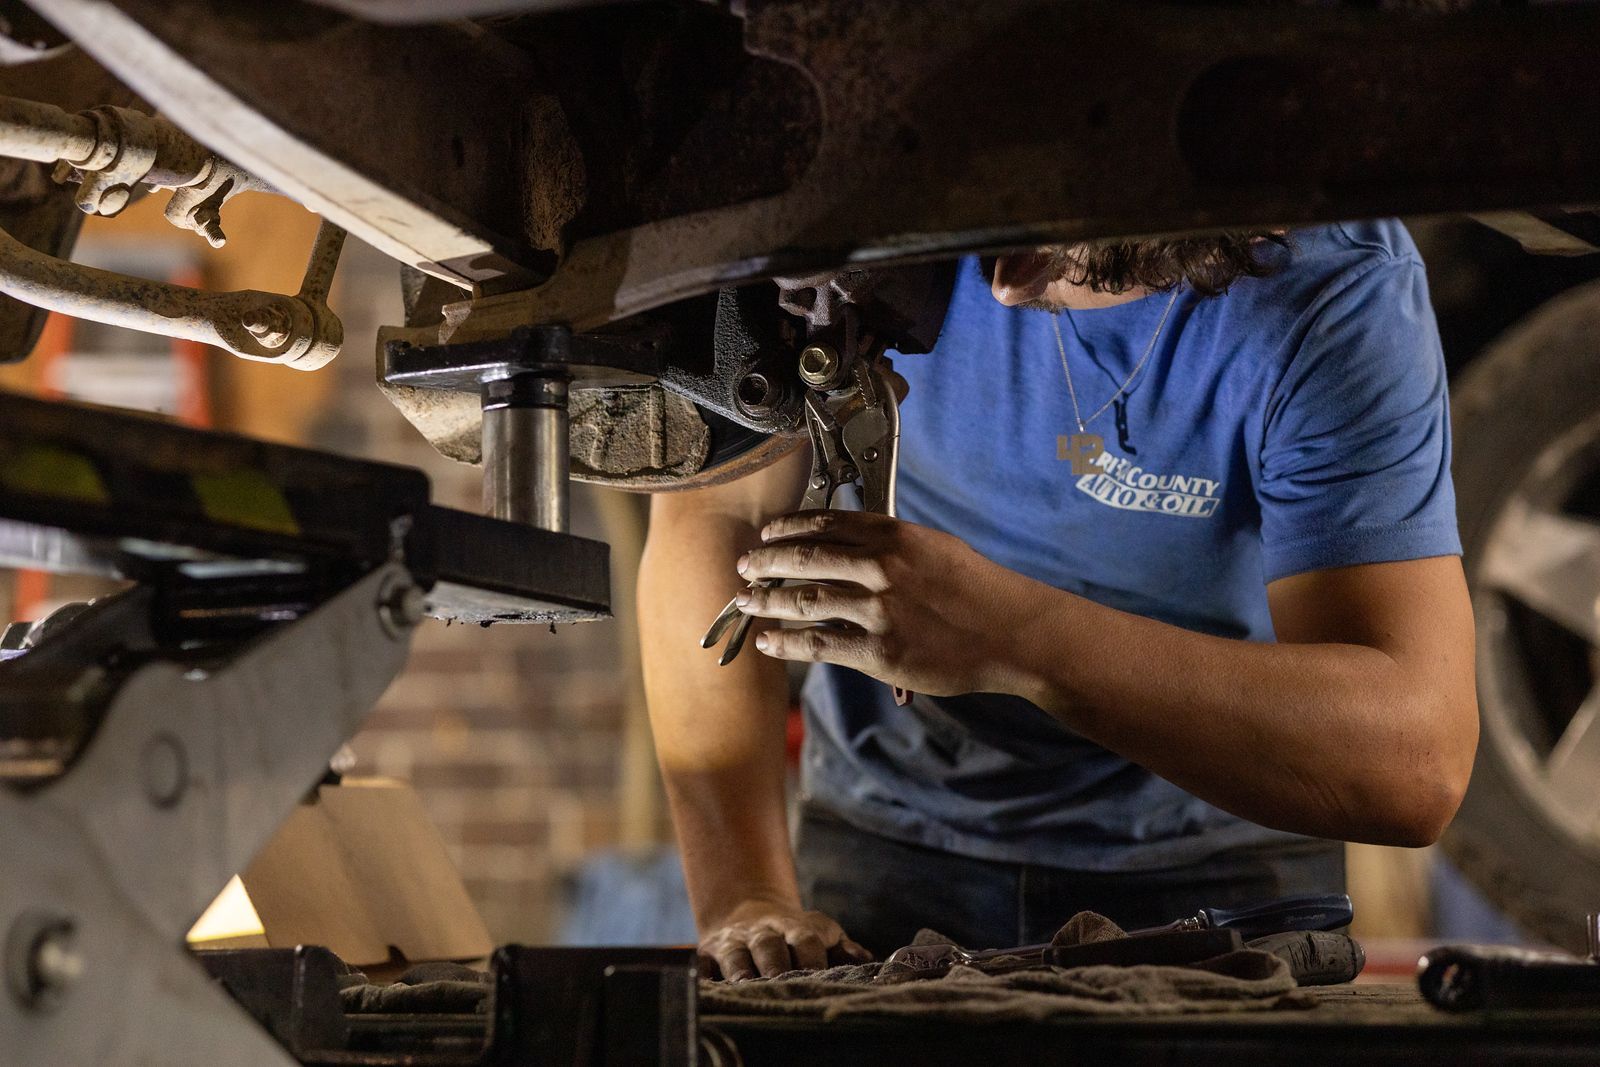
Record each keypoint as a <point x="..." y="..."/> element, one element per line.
<point x="164" y="770"/>
<point x="819" y="365"/>
<point x="42" y="960"/>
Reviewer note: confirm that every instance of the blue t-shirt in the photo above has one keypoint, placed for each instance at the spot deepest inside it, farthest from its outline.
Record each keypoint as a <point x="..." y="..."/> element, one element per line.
<point x="1297" y="423"/>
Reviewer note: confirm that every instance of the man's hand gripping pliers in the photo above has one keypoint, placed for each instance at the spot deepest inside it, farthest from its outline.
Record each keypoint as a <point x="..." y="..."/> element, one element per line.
<point x="855" y="436"/>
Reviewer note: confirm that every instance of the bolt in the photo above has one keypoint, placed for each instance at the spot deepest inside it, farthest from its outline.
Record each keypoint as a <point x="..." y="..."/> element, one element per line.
<point x="401" y="608"/>
<point x="819" y="365"/>
<point x="164" y="768"/>
<point x="819" y="482"/>
<point x="42" y="961"/>
<point x="207" y="222"/>
<point x="869" y="455"/>
<point x="268" y="324"/>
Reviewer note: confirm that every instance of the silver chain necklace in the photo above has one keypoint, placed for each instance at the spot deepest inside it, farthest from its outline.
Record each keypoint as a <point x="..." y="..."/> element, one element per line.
<point x="1055" y="322"/>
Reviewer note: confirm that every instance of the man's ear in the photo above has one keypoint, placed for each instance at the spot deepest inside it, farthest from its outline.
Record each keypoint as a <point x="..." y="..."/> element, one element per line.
<point x="1022" y="277"/>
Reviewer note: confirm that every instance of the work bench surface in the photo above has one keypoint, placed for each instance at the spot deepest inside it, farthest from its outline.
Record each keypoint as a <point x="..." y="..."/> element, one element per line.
<point x="1361" y="1023"/>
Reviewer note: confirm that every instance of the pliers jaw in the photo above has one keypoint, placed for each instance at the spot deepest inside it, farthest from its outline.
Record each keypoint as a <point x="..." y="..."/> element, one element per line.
<point x="855" y="436"/>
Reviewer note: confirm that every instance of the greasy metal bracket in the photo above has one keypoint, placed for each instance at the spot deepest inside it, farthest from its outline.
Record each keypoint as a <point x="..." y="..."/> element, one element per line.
<point x="592" y="360"/>
<point x="109" y="152"/>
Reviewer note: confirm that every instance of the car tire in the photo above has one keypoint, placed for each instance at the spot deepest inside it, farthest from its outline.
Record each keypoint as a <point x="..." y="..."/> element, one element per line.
<point x="1526" y="422"/>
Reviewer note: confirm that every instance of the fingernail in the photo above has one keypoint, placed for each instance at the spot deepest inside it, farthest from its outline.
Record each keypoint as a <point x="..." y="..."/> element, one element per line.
<point x="761" y="642"/>
<point x="742" y="599"/>
<point x="744" y="562"/>
<point x="766" y="533"/>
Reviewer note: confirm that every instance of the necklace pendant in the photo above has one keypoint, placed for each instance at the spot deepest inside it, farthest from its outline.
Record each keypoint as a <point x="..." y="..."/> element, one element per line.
<point x="1081" y="450"/>
<point x="1124" y="441"/>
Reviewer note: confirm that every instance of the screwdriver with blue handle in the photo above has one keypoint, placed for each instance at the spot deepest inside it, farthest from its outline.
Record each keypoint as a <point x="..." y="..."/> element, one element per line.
<point x="1316" y="911"/>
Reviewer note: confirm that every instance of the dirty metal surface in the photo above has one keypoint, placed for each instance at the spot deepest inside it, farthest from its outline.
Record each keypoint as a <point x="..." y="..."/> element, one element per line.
<point x="586" y="166"/>
<point x="946" y="127"/>
<point x="673" y="161"/>
<point x="33" y="209"/>
<point x="412" y="138"/>
<point x="404" y="11"/>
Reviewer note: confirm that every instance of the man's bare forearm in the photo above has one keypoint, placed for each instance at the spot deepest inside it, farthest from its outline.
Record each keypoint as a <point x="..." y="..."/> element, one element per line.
<point x="1329" y="738"/>
<point x="719" y="731"/>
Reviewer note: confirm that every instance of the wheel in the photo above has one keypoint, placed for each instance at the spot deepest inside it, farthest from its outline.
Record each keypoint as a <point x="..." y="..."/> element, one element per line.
<point x="1527" y="474"/>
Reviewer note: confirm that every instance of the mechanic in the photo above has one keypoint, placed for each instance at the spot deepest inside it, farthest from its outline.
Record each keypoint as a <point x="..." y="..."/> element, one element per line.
<point x="1176" y="671"/>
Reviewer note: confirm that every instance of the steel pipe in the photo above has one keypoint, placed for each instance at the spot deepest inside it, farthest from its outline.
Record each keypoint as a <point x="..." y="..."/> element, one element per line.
<point x="43" y="132"/>
<point x="525" y="451"/>
<point x="309" y="338"/>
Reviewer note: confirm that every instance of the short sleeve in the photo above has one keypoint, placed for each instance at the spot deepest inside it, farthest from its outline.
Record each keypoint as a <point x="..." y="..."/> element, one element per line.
<point x="1355" y="457"/>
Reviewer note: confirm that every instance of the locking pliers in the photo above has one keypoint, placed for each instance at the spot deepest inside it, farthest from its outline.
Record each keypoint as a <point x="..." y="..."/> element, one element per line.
<point x="855" y="437"/>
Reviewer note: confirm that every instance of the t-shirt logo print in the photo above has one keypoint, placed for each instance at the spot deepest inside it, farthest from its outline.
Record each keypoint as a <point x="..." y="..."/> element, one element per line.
<point x="1083" y="449"/>
<point x="1121" y="483"/>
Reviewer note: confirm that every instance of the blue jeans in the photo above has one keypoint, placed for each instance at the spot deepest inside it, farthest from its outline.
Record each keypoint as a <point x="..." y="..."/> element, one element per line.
<point x="883" y="891"/>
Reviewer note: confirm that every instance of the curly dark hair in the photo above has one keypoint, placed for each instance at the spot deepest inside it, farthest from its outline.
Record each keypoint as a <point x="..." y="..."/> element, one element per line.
<point x="1208" y="265"/>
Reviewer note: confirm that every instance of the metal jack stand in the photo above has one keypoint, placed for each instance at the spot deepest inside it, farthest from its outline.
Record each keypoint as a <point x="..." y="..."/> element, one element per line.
<point x="189" y="772"/>
<point x="523" y="382"/>
<point x="150" y="742"/>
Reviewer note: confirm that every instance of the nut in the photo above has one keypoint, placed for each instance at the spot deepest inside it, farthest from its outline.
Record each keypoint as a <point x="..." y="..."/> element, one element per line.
<point x="269" y="324"/>
<point x="819" y="366"/>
